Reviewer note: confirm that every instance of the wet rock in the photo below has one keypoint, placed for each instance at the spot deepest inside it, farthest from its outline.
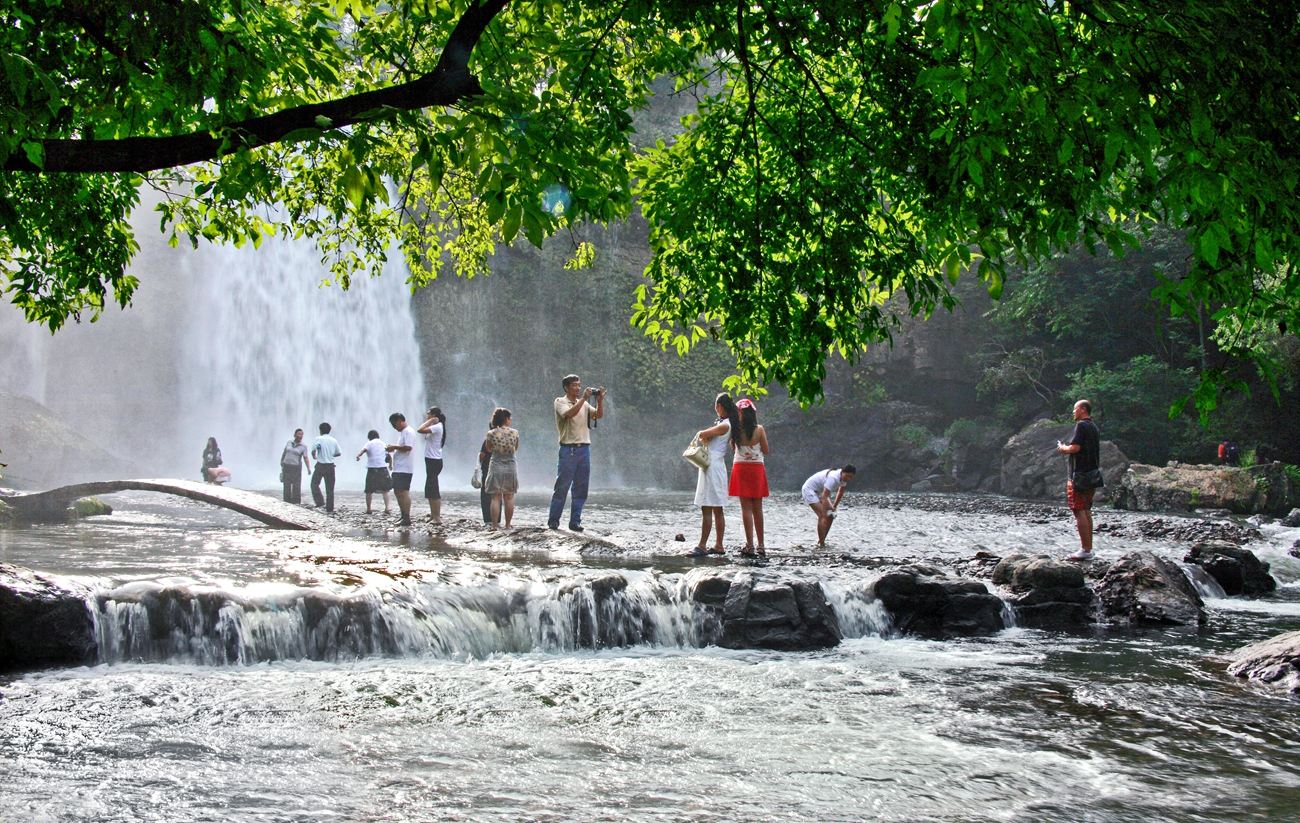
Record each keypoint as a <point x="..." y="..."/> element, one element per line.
<point x="1275" y="661"/>
<point x="1182" y="487"/>
<point x="783" y="615"/>
<point x="935" y="483"/>
<point x="1292" y="519"/>
<point x="1181" y="530"/>
<point x="923" y="601"/>
<point x="1294" y="551"/>
<point x="90" y="507"/>
<point x="1031" y="466"/>
<point x="1046" y="593"/>
<point x="42" y="622"/>
<point x="1237" y="570"/>
<point x="1142" y="589"/>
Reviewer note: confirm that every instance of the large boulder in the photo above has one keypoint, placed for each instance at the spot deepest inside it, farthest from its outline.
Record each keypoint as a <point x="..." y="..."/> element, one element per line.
<point x="760" y="612"/>
<point x="1031" y="466"/>
<point x="1237" y="570"/>
<point x="43" y="622"/>
<point x="925" y="602"/>
<point x="1275" y="661"/>
<point x="1266" y="488"/>
<point x="1143" y="589"/>
<point x="44" y="450"/>
<point x="1045" y="593"/>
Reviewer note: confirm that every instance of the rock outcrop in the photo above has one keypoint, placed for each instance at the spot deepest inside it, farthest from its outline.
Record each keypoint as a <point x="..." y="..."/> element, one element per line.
<point x="1265" y="488"/>
<point x="1045" y="593"/>
<point x="43" y="450"/>
<point x="1275" y="662"/>
<point x="42" y="622"/>
<point x="759" y="611"/>
<point x="924" y="601"/>
<point x="1031" y="466"/>
<point x="1237" y="570"/>
<point x="1143" y="589"/>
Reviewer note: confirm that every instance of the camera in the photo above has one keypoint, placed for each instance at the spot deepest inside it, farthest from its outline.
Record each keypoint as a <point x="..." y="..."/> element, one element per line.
<point x="597" y="392"/>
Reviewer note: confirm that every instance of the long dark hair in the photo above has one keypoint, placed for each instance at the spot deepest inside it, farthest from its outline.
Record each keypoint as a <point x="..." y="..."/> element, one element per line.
<point x="749" y="421"/>
<point x="729" y="414"/>
<point x="434" y="411"/>
<point x="499" y="417"/>
<point x="212" y="445"/>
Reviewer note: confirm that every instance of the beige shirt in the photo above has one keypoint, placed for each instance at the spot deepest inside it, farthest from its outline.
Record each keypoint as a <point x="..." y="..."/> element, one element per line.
<point x="574" y="430"/>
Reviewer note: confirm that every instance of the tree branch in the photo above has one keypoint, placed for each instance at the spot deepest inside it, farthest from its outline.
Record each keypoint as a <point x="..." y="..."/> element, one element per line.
<point x="450" y="82"/>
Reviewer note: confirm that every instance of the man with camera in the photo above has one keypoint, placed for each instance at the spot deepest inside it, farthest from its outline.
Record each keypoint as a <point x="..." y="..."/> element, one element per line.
<point x="574" y="418"/>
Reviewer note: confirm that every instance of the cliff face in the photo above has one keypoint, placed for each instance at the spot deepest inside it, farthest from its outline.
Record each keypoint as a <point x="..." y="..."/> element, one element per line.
<point x="44" y="450"/>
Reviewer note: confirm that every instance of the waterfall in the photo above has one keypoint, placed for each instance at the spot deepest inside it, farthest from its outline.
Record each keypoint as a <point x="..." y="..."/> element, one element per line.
<point x="241" y="344"/>
<point x="1206" y="586"/>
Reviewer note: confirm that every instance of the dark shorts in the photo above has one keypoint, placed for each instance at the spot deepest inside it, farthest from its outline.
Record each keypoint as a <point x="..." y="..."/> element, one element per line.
<point x="1079" y="501"/>
<point x="378" y="480"/>
<point x="432" y="468"/>
<point x="401" y="481"/>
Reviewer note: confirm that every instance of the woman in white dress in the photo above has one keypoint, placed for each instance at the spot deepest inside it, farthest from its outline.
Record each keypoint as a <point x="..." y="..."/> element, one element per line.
<point x="711" y="488"/>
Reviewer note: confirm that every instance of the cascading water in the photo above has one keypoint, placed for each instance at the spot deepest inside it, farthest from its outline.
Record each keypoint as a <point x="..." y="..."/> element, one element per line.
<point x="270" y="350"/>
<point x="241" y="344"/>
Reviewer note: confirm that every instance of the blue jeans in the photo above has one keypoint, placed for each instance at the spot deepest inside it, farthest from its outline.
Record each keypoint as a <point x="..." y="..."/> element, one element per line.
<point x="573" y="470"/>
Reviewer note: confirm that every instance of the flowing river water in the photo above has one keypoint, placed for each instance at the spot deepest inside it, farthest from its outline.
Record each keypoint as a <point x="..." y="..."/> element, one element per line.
<point x="247" y="674"/>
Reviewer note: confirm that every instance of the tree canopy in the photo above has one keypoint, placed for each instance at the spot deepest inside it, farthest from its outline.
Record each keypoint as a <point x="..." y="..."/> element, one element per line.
<point x="842" y="153"/>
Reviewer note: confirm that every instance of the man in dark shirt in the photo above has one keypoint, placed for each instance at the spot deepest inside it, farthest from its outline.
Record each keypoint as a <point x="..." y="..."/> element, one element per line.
<point x="1084" y="449"/>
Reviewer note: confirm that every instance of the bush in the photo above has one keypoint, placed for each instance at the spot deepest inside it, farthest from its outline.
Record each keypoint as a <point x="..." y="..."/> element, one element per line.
<point x="917" y="437"/>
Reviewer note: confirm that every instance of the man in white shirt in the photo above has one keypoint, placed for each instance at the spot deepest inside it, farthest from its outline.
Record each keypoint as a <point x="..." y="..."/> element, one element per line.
<point x="817" y="492"/>
<point x="573" y="416"/>
<point x="325" y="449"/>
<point x="403" y="452"/>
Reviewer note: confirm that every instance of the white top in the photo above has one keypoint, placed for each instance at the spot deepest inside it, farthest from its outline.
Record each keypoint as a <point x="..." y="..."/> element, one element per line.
<point x="325" y="448"/>
<point x="433" y="442"/>
<point x="825" y="481"/>
<point x="404" y="462"/>
<point x="576" y="430"/>
<point x="711" y="486"/>
<point x="753" y="453"/>
<point x="376" y="454"/>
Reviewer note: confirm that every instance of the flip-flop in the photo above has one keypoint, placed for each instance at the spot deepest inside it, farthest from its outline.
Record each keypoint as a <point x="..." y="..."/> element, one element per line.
<point x="698" y="551"/>
<point x="716" y="551"/>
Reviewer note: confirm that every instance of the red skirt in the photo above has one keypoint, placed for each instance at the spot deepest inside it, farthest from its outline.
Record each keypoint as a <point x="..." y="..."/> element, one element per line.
<point x="748" y="480"/>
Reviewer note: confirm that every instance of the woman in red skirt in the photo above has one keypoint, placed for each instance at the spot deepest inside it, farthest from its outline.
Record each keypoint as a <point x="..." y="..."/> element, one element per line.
<point x="749" y="477"/>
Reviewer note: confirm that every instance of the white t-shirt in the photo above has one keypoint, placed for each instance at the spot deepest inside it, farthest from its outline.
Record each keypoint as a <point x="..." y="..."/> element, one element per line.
<point x="824" y="481"/>
<point x="576" y="430"/>
<point x="433" y="442"/>
<point x="404" y="461"/>
<point x="376" y="454"/>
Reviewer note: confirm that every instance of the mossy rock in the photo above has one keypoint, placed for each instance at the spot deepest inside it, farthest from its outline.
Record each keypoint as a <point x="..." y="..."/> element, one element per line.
<point x="90" y="507"/>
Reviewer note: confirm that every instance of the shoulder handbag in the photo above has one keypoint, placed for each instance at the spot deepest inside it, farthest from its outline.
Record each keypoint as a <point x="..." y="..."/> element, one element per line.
<point x="476" y="479"/>
<point x="1087" y="481"/>
<point x="697" y="454"/>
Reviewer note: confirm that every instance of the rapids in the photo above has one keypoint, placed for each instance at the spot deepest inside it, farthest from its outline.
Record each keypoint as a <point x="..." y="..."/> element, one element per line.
<point x="253" y="675"/>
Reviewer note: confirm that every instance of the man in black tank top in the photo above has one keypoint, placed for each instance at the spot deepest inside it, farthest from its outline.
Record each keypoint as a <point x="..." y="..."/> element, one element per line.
<point x="1085" y="451"/>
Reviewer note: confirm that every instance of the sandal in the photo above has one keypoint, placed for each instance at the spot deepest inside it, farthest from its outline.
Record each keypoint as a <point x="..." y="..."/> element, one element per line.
<point x="748" y="551"/>
<point x="698" y="551"/>
<point x="716" y="551"/>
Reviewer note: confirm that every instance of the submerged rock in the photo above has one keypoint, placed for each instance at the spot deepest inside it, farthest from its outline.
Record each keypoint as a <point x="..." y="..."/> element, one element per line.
<point x="1237" y="570"/>
<point x="923" y="601"/>
<point x="1046" y="593"/>
<point x="42" y="622"/>
<point x="1143" y="589"/>
<point x="1275" y="661"/>
<point x="783" y="615"/>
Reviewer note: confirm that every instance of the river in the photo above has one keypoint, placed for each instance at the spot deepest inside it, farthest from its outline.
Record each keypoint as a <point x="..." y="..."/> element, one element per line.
<point x="461" y="681"/>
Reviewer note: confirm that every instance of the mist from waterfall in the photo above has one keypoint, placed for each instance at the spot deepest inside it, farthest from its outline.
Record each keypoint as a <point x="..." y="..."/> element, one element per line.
<point x="240" y="344"/>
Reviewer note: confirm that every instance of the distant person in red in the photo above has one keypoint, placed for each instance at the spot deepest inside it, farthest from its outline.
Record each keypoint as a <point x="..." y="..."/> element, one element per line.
<point x="213" y="471"/>
<point x="1084" y="449"/>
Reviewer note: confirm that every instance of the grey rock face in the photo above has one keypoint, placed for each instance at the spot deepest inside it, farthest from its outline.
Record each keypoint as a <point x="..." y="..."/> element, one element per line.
<point x="1275" y="662"/>
<point x="1266" y="488"/>
<point x="1031" y="466"/>
<point x="1237" y="570"/>
<point x="1046" y="593"/>
<point x="925" y="602"/>
<point x="42" y="623"/>
<point x="784" y="615"/>
<point x="1142" y="589"/>
<point x="1292" y="519"/>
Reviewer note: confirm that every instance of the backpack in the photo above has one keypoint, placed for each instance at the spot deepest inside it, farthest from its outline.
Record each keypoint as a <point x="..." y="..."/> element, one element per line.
<point x="1223" y="451"/>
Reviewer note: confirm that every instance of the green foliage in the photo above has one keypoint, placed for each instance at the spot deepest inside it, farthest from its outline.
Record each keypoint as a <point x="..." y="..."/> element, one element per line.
<point x="916" y="436"/>
<point x="964" y="432"/>
<point x="1124" y="399"/>
<point x="1293" y="472"/>
<point x="1248" y="458"/>
<point x="841" y="155"/>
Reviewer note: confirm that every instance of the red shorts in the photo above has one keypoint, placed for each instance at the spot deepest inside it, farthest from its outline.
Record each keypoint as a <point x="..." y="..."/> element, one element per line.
<point x="748" y="480"/>
<point x="1079" y="501"/>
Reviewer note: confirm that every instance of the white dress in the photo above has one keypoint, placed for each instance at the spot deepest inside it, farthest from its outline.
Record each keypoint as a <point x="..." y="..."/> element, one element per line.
<point x="711" y="488"/>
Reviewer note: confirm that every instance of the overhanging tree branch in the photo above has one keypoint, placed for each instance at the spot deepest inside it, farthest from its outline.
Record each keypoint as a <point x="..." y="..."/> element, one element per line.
<point x="450" y="82"/>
